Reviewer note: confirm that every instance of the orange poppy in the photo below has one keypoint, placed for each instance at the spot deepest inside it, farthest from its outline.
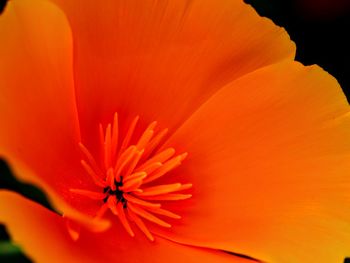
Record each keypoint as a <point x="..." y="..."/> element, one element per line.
<point x="249" y="154"/>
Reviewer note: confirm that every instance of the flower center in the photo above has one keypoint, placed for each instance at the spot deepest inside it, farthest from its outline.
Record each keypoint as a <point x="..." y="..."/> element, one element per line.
<point x="128" y="176"/>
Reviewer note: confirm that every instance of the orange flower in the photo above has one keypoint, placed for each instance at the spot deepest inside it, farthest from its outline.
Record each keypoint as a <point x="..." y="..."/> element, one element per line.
<point x="268" y="141"/>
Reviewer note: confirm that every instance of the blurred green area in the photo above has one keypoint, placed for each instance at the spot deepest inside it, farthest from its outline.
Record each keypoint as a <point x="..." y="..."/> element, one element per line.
<point x="9" y="252"/>
<point x="319" y="41"/>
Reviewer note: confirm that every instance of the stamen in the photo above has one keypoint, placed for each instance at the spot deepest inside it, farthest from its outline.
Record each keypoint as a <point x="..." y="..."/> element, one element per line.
<point x="154" y="143"/>
<point x="123" y="219"/>
<point x="133" y="183"/>
<point x="141" y="202"/>
<point x="168" y="197"/>
<point x="146" y="136"/>
<point x="150" y="168"/>
<point x="138" y="221"/>
<point x="160" y="189"/>
<point x="129" y="134"/>
<point x="111" y="179"/>
<point x="115" y="134"/>
<point x="163" y="212"/>
<point x="137" y="176"/>
<point x="107" y="147"/>
<point x="112" y="204"/>
<point x="143" y="213"/>
<point x="133" y="163"/>
<point x="185" y="187"/>
<point x="103" y="209"/>
<point x="167" y="167"/>
<point x="90" y="159"/>
<point x="124" y="171"/>
<point x="93" y="175"/>
<point x="124" y="159"/>
<point x="160" y="157"/>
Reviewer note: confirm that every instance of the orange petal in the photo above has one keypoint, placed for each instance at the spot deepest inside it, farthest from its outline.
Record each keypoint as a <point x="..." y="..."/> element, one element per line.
<point x="162" y="59"/>
<point x="44" y="237"/>
<point x="39" y="126"/>
<point x="269" y="159"/>
<point x="39" y="132"/>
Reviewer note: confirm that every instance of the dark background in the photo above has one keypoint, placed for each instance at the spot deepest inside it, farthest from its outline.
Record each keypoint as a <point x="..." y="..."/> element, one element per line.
<point x="320" y="29"/>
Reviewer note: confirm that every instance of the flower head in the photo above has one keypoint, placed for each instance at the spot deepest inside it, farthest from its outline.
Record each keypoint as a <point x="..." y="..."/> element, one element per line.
<point x="249" y="154"/>
<point x="126" y="174"/>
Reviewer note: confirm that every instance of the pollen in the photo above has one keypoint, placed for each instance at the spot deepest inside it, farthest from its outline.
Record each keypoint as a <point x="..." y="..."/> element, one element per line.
<point x="127" y="174"/>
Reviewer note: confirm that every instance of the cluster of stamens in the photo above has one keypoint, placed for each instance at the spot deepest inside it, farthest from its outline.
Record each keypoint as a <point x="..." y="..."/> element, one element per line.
<point x="127" y="174"/>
